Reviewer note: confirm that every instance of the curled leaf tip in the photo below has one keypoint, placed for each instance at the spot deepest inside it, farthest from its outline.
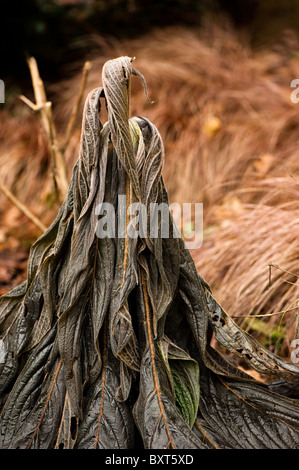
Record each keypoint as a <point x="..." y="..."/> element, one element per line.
<point x="136" y="72"/>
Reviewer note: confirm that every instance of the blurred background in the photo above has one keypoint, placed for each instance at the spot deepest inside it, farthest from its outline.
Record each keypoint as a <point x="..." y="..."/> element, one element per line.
<point x="219" y="72"/>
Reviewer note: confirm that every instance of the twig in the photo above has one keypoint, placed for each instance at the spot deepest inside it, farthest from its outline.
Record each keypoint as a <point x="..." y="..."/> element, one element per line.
<point x="57" y="157"/>
<point x="40" y="95"/>
<point x="261" y="315"/>
<point x="57" y="149"/>
<point x="45" y="108"/>
<point x="281" y="269"/>
<point x="22" y="207"/>
<point x="29" y="103"/>
<point x="77" y="105"/>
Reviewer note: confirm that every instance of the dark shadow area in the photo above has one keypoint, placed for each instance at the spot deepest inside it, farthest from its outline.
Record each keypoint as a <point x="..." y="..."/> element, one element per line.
<point x="57" y="32"/>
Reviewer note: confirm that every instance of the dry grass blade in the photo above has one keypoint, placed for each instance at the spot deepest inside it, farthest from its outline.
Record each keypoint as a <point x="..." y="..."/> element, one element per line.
<point x="235" y="260"/>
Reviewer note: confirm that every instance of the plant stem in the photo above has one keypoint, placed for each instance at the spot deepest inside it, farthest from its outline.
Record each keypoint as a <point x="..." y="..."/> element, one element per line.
<point x="22" y="207"/>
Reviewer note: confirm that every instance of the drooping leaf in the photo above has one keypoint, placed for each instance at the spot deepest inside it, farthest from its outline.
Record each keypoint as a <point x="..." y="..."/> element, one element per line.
<point x="29" y="416"/>
<point x="116" y="80"/>
<point x="156" y="415"/>
<point x="244" y="415"/>
<point x="107" y="422"/>
<point x="184" y="375"/>
<point x="244" y="345"/>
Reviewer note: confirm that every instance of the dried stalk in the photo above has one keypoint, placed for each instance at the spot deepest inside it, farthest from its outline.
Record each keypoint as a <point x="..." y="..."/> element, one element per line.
<point x="22" y="207"/>
<point x="57" y="150"/>
<point x="77" y="105"/>
<point x="44" y="106"/>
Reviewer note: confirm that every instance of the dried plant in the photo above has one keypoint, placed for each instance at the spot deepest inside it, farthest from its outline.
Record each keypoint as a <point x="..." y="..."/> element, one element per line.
<point x="231" y="137"/>
<point x="110" y="337"/>
<point x="230" y="132"/>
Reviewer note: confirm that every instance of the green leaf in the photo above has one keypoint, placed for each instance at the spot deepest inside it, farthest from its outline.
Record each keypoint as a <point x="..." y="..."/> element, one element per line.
<point x="185" y="373"/>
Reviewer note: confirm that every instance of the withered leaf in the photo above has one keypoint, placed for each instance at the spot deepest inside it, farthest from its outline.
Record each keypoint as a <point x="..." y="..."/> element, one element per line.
<point x="107" y="422"/>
